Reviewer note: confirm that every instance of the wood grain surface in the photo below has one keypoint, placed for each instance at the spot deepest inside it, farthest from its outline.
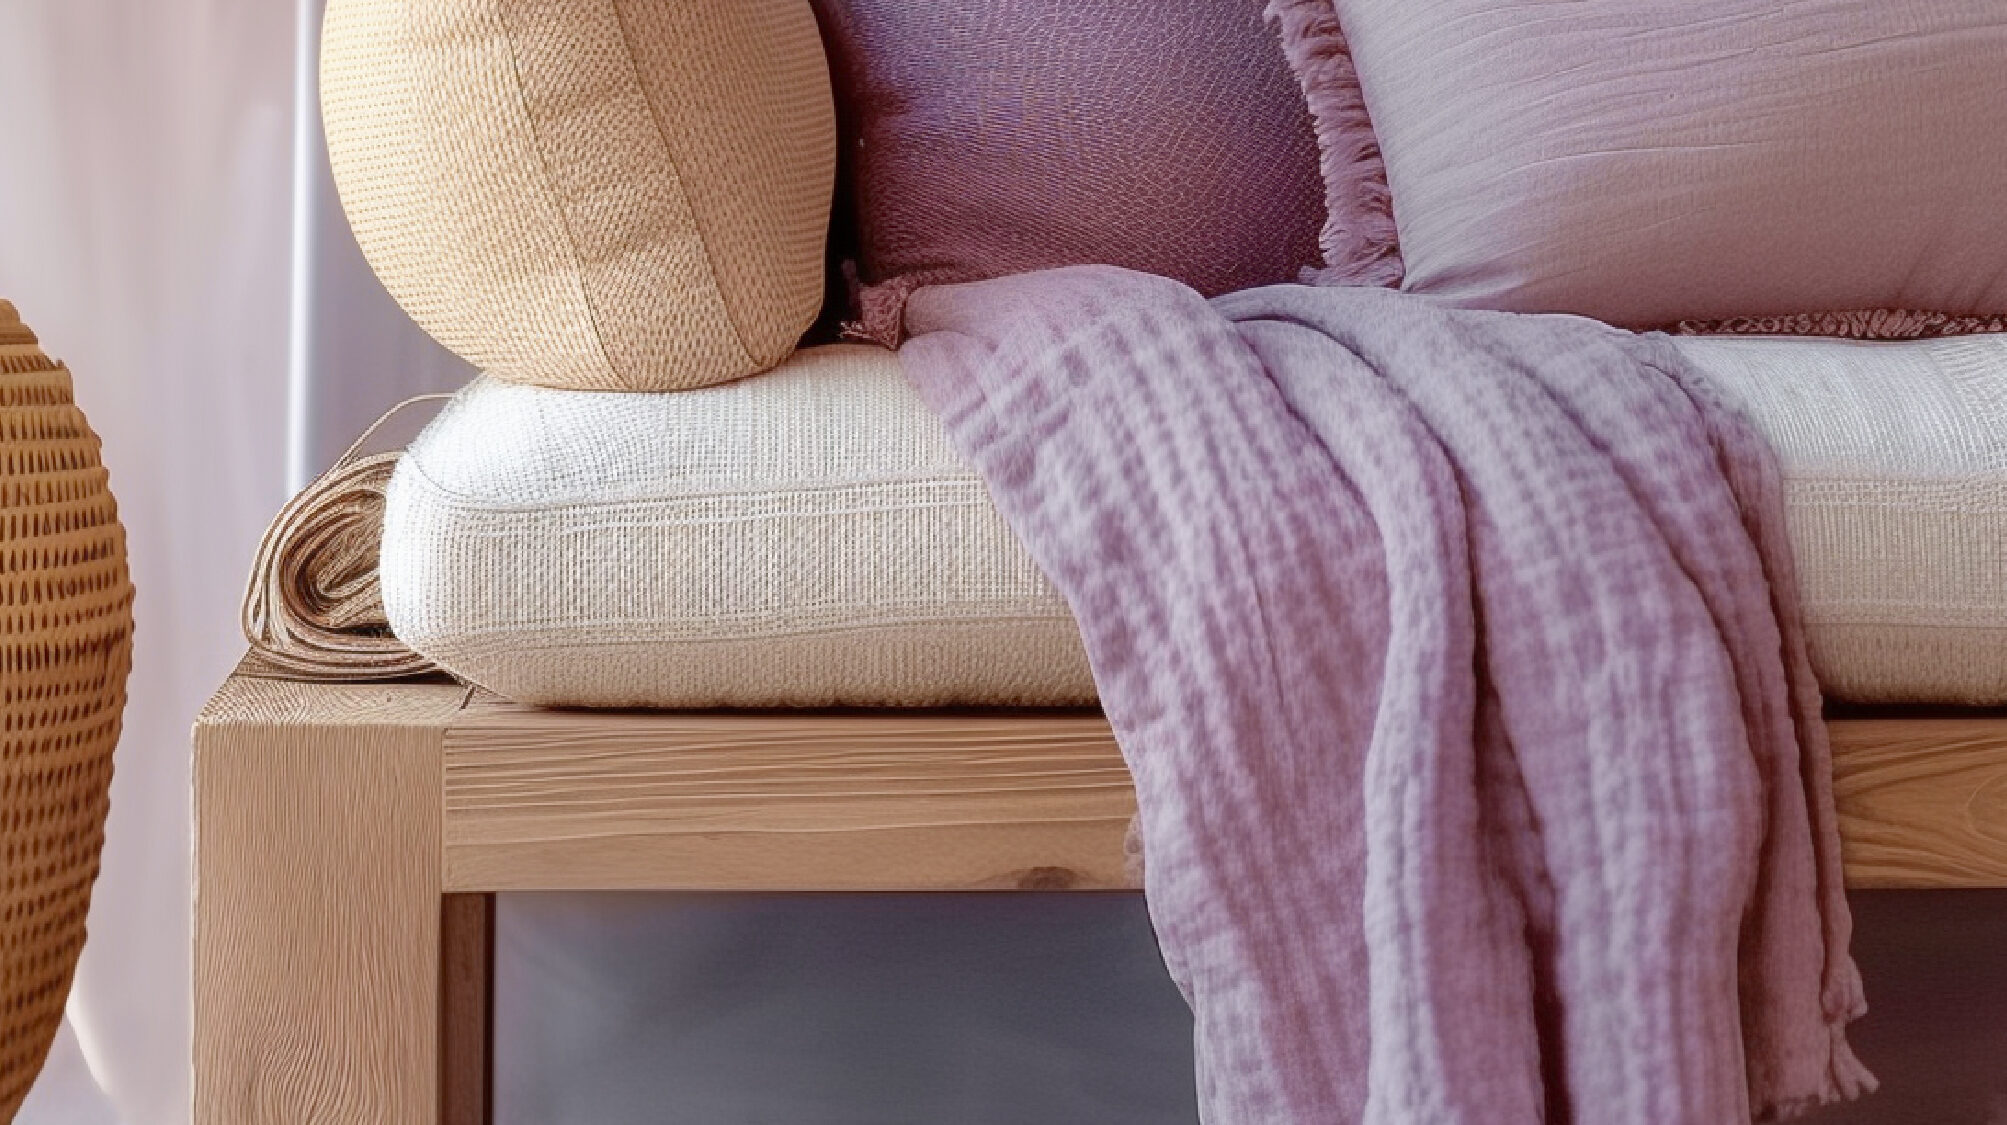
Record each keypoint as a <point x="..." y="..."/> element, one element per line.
<point x="1922" y="801"/>
<point x="339" y="978"/>
<point x="782" y="801"/>
<point x="891" y="800"/>
<point x="317" y="908"/>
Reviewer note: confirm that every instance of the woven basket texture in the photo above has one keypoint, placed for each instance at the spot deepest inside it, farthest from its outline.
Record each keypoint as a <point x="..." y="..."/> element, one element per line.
<point x="591" y="194"/>
<point x="65" y="648"/>
<point x="313" y="607"/>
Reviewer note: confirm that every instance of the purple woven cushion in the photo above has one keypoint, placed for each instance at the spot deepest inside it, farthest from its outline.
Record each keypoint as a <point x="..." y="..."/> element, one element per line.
<point x="989" y="137"/>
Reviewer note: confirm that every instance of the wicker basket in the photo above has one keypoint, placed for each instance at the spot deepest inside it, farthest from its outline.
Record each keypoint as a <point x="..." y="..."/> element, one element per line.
<point x="65" y="647"/>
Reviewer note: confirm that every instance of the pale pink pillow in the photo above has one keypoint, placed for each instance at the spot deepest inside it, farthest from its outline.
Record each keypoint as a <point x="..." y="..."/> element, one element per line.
<point x="1652" y="161"/>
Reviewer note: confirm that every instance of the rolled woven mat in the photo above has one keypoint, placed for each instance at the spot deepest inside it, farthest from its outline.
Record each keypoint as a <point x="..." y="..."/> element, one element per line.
<point x="313" y="608"/>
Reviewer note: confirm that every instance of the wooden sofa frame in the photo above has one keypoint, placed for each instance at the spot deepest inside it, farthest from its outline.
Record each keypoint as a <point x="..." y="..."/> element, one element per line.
<point x="350" y="840"/>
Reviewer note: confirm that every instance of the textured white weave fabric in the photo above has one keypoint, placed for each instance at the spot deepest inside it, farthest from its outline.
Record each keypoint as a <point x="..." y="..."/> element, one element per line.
<point x="808" y="537"/>
<point x="1895" y="464"/>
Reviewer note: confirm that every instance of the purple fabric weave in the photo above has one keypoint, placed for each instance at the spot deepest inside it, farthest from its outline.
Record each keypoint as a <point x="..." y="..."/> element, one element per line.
<point x="991" y="137"/>
<point x="1456" y="658"/>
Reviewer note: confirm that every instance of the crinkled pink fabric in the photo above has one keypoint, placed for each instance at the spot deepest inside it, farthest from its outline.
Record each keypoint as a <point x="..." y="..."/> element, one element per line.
<point x="990" y="137"/>
<point x="1456" y="657"/>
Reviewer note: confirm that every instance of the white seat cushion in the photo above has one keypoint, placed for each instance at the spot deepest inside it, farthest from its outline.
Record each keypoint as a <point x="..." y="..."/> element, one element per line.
<point x="808" y="537"/>
<point x="1895" y="466"/>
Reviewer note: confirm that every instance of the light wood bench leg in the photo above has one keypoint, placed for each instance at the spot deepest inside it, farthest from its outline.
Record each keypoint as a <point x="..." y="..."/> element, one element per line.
<point x="319" y="990"/>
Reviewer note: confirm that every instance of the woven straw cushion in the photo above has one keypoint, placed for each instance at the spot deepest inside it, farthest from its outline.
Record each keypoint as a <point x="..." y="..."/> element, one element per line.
<point x="809" y="536"/>
<point x="65" y="646"/>
<point x="598" y="194"/>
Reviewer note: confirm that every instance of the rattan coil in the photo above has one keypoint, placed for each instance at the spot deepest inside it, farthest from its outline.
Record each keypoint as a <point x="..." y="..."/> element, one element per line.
<point x="313" y="608"/>
<point x="65" y="649"/>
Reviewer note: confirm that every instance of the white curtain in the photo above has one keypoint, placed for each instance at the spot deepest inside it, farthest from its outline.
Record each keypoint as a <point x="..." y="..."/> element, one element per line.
<point x="144" y="226"/>
<point x="156" y="158"/>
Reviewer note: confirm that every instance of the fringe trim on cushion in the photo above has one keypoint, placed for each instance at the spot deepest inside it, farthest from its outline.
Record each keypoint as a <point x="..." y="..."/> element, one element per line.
<point x="1360" y="243"/>
<point x="1857" y="324"/>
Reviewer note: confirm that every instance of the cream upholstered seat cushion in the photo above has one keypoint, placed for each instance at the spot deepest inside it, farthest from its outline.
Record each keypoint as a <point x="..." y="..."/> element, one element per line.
<point x="808" y="536"/>
<point x="805" y="537"/>
<point x="1895" y="463"/>
<point x="603" y="194"/>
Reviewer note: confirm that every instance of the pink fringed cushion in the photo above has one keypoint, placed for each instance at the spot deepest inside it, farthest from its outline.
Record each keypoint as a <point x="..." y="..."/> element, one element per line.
<point x="989" y="137"/>
<point x="1649" y="162"/>
<point x="1358" y="241"/>
<point x="1864" y="324"/>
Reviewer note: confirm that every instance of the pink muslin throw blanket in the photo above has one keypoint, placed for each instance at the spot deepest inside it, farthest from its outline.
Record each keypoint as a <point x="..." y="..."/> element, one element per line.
<point x="1481" y="774"/>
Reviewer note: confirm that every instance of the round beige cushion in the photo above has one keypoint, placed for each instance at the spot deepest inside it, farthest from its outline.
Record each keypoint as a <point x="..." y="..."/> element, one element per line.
<point x="600" y="194"/>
